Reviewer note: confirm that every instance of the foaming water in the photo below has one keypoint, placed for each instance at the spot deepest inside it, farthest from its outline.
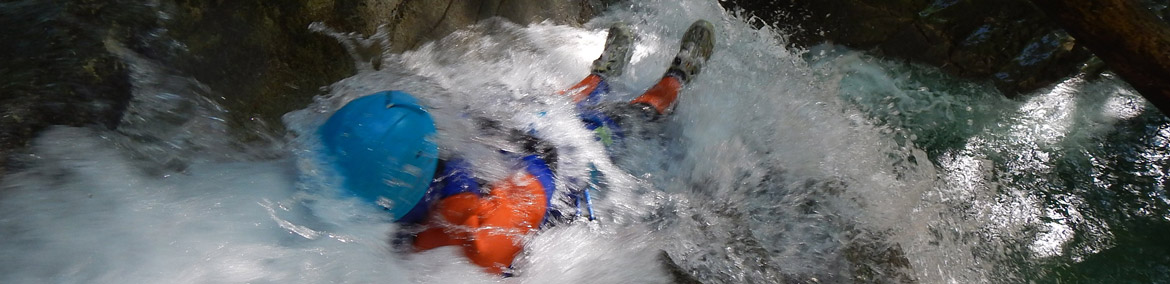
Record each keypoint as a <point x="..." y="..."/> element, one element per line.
<point x="776" y="166"/>
<point x="1047" y="188"/>
<point x="86" y="214"/>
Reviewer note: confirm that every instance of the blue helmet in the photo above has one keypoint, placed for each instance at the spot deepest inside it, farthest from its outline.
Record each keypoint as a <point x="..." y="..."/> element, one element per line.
<point x="382" y="148"/>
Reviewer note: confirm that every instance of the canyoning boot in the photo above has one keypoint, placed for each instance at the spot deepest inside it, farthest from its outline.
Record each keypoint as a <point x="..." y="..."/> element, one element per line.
<point x="697" y="45"/>
<point x="612" y="62"/>
<point x="694" y="51"/>
<point x="618" y="49"/>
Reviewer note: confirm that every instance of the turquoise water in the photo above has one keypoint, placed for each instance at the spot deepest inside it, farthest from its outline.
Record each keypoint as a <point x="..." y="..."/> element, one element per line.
<point x="822" y="165"/>
<point x="1065" y="185"/>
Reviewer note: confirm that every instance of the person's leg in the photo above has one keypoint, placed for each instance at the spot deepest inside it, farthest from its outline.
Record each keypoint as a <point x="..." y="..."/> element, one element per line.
<point x="611" y="121"/>
<point x="589" y="88"/>
<point x="661" y="96"/>
<point x="611" y="63"/>
<point x="697" y="45"/>
<point x="587" y="93"/>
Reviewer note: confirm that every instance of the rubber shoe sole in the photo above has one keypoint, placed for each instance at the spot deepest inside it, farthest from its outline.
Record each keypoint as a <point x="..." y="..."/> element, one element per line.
<point x="617" y="52"/>
<point x="697" y="45"/>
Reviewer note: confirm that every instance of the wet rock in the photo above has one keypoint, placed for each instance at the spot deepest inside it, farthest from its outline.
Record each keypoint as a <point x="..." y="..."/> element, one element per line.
<point x="413" y="23"/>
<point x="868" y="248"/>
<point x="1128" y="38"/>
<point x="56" y="70"/>
<point x="264" y="61"/>
<point x="1009" y="43"/>
<point x="258" y="58"/>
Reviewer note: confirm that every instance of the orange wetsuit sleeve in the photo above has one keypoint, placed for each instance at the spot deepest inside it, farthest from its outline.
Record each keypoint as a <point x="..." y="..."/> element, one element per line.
<point x="581" y="90"/>
<point x="662" y="95"/>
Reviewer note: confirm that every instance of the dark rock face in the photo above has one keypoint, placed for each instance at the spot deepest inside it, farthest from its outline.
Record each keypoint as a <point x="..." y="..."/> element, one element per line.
<point x="258" y="59"/>
<point x="1008" y="42"/>
<point x="1125" y="35"/>
<point x="264" y="61"/>
<point x="56" y="70"/>
<point x="415" y="22"/>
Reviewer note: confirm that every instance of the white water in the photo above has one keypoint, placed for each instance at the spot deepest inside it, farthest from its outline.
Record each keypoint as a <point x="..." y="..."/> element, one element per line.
<point x="771" y="169"/>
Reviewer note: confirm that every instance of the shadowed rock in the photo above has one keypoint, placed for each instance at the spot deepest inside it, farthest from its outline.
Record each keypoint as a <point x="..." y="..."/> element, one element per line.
<point x="1006" y="42"/>
<point x="264" y="61"/>
<point x="1130" y="39"/>
<point x="257" y="58"/>
<point x="55" y="70"/>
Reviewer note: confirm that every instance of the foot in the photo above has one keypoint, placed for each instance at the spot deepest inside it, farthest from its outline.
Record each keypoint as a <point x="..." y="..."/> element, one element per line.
<point x="617" y="51"/>
<point x="694" y="51"/>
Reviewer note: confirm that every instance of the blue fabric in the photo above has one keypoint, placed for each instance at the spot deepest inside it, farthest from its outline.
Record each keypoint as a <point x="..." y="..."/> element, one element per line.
<point x="455" y="178"/>
<point x="595" y="119"/>
<point x="539" y="169"/>
<point x="594" y="97"/>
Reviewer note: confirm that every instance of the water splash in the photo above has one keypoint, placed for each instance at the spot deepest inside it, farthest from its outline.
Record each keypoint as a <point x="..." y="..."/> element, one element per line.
<point x="778" y="165"/>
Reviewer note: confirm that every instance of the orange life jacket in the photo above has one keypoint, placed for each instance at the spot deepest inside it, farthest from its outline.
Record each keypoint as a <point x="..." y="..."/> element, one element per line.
<point x="491" y="228"/>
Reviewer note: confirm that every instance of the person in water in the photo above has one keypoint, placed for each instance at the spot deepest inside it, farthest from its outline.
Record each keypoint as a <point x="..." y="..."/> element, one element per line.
<point x="380" y="146"/>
